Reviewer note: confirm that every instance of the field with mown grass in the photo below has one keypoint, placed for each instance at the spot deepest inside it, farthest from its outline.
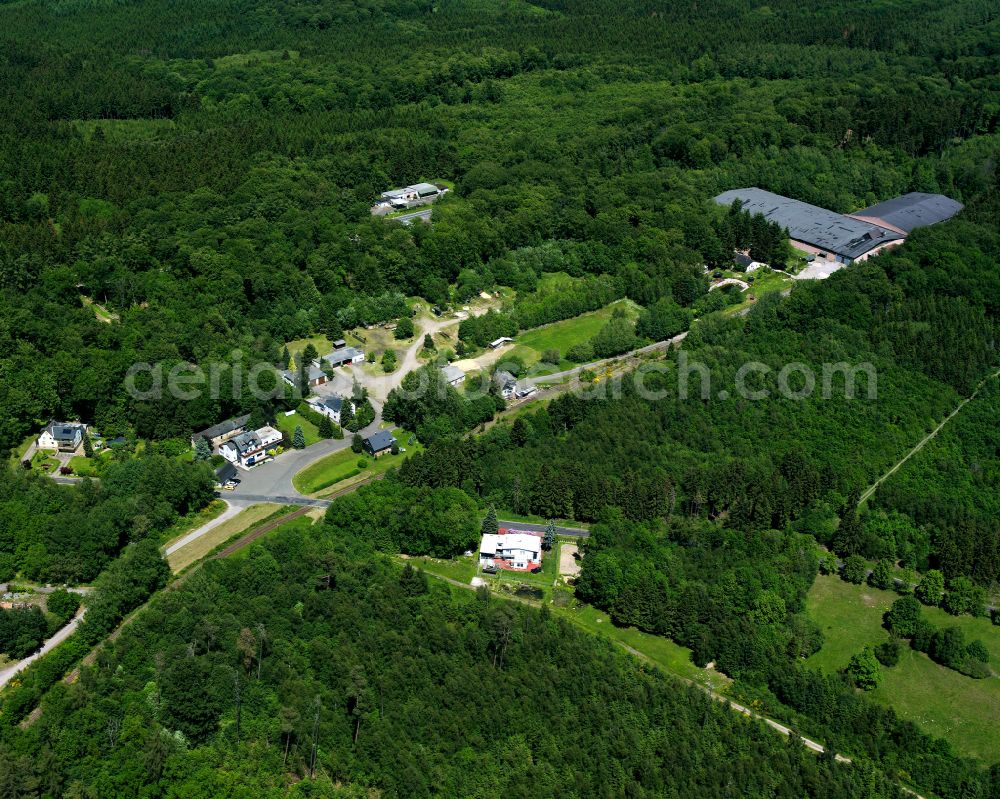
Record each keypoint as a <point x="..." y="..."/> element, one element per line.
<point x="531" y="344"/>
<point x="338" y="470"/>
<point x="939" y="700"/>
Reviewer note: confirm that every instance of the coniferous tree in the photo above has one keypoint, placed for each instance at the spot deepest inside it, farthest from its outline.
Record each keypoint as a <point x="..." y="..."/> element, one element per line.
<point x="549" y="539"/>
<point x="202" y="450"/>
<point x="325" y="427"/>
<point x="298" y="437"/>
<point x="490" y="525"/>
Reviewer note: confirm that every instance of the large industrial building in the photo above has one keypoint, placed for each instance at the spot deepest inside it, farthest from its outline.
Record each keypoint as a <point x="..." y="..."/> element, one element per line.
<point x="845" y="238"/>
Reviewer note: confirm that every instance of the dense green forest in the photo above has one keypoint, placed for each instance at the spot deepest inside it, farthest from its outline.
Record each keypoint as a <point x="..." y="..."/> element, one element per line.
<point x="204" y="171"/>
<point x="182" y="180"/>
<point x="254" y="675"/>
<point x="54" y="533"/>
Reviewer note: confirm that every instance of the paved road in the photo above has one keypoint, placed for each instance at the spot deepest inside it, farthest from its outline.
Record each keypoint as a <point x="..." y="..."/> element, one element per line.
<point x="574" y="532"/>
<point x="61" y="635"/>
<point x="409" y="219"/>
<point x="232" y="508"/>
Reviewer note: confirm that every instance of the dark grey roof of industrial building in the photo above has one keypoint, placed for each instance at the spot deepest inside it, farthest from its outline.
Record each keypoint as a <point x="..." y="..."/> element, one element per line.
<point x="913" y="210"/>
<point x="811" y="224"/>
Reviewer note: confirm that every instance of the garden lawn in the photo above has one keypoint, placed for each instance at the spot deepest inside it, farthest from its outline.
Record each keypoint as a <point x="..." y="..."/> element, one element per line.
<point x="286" y="424"/>
<point x="939" y="700"/>
<point x="462" y="569"/>
<point x="333" y="471"/>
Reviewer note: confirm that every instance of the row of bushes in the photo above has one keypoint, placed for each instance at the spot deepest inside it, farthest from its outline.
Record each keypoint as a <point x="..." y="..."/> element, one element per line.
<point x="947" y="647"/>
<point x="961" y="596"/>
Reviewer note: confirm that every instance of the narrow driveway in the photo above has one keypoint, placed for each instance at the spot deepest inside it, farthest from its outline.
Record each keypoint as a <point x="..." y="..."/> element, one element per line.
<point x="7" y="673"/>
<point x="232" y="508"/>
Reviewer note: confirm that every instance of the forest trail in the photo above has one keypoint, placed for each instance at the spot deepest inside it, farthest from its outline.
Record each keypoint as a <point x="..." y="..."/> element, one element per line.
<point x="867" y="494"/>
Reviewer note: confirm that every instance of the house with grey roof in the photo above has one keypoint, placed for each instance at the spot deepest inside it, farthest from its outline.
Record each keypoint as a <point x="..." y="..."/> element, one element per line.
<point x="220" y="433"/>
<point x="505" y="383"/>
<point x="453" y="375"/>
<point x="332" y="406"/>
<point x="314" y="375"/>
<point x="378" y="444"/>
<point x="62" y="436"/>
<point x="341" y="357"/>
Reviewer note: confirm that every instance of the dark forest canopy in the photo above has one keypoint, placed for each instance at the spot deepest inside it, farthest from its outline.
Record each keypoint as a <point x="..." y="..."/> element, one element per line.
<point x="204" y="170"/>
<point x="223" y="687"/>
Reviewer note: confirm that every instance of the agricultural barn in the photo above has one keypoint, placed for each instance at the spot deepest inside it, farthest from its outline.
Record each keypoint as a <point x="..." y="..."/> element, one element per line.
<point x="840" y="237"/>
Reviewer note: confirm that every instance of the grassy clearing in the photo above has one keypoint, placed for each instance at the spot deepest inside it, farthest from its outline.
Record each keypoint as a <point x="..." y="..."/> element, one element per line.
<point x="342" y="469"/>
<point x="940" y="701"/>
<point x="663" y="652"/>
<point x="765" y="283"/>
<point x="287" y="424"/>
<point x="462" y="569"/>
<point x="254" y="57"/>
<point x="219" y="534"/>
<point x="562" y="335"/>
<point x="508" y="516"/>
<point x="319" y="341"/>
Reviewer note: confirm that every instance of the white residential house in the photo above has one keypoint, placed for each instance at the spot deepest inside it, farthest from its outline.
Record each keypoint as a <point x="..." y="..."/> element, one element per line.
<point x="505" y="383"/>
<point x="514" y="548"/>
<point x="453" y="375"/>
<point x="62" y="436"/>
<point x="330" y="406"/>
<point x="250" y="448"/>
